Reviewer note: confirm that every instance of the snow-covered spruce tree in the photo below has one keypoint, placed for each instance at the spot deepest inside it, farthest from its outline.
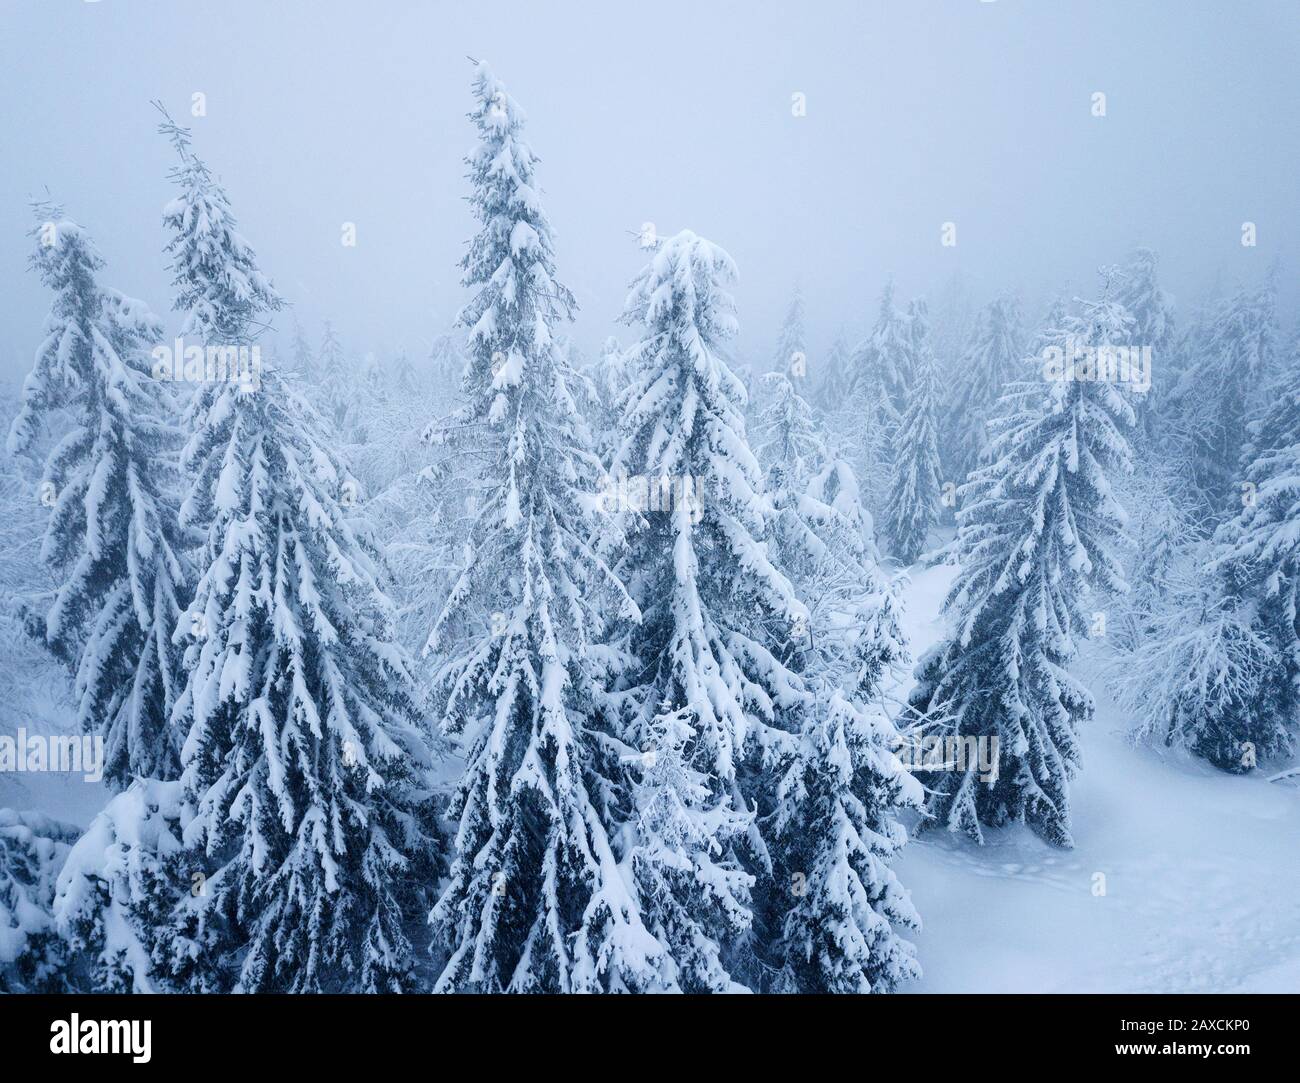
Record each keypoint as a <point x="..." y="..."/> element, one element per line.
<point x="33" y="957"/>
<point x="837" y="830"/>
<point x="721" y="702"/>
<point x="118" y="885"/>
<point x="992" y="360"/>
<point x="303" y="359"/>
<point x="677" y="849"/>
<point x="336" y="393"/>
<point x="1220" y="391"/>
<point x="446" y="366"/>
<point x="1036" y="528"/>
<point x="220" y="290"/>
<point x="405" y="380"/>
<point x="1153" y="321"/>
<point x="882" y="361"/>
<point x="111" y="539"/>
<point x="786" y="436"/>
<point x="792" y="341"/>
<point x="867" y="418"/>
<point x="913" y="505"/>
<point x="1163" y="534"/>
<point x="822" y="539"/>
<point x="304" y="767"/>
<point x="836" y="378"/>
<point x="1202" y="676"/>
<point x="714" y="607"/>
<point x="609" y="377"/>
<point x="1152" y="309"/>
<point x="809" y="537"/>
<point x="535" y="901"/>
<point x="1259" y="562"/>
<point x="834" y="826"/>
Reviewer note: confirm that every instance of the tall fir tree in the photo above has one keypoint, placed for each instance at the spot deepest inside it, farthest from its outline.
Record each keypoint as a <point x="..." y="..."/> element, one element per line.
<point x="882" y="361"/>
<point x="871" y="411"/>
<point x="609" y="377"/>
<point x="1138" y="290"/>
<point x="1035" y="540"/>
<point x="446" y="366"/>
<point x="1220" y="391"/>
<point x="336" y="391"/>
<point x="913" y="506"/>
<point x="705" y="586"/>
<point x="111" y="538"/>
<point x="299" y="712"/>
<point x="991" y="361"/>
<point x="219" y="287"/>
<point x="721" y="703"/>
<point x="836" y="378"/>
<point x="304" y="765"/>
<point x="792" y="341"/>
<point x="302" y="357"/>
<point x="786" y="436"/>
<point x="1259" y="564"/>
<point x="535" y="901"/>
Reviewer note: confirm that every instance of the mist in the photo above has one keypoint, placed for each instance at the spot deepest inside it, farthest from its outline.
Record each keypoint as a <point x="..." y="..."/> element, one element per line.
<point x="684" y="115"/>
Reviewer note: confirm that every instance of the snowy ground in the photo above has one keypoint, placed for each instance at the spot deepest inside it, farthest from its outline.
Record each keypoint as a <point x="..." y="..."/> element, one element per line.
<point x="1202" y="875"/>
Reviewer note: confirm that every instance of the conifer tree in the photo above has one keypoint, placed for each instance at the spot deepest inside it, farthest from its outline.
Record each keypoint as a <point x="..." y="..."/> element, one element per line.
<point x="706" y="590"/>
<point x="838" y="830"/>
<point x="792" y="342"/>
<point x="1222" y="389"/>
<point x="1151" y="307"/>
<point x="992" y="360"/>
<point x="1153" y="328"/>
<point x="870" y="414"/>
<point x="33" y="848"/>
<point x="405" y="379"/>
<point x="535" y="901"/>
<point x="609" y="377"/>
<point x="111" y="539"/>
<point x="446" y="366"/>
<point x="1035" y="538"/>
<point x="118" y="885"/>
<point x="1259" y="562"/>
<point x="836" y="378"/>
<point x="304" y="765"/>
<point x="336" y="393"/>
<point x="913" y="506"/>
<point x="220" y="290"/>
<point x="786" y="436"/>
<point x="882" y="362"/>
<point x="723" y="699"/>
<point x="303" y="359"/>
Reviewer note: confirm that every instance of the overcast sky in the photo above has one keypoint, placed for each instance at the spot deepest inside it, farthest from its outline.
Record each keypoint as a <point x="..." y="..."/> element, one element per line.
<point x="676" y="112"/>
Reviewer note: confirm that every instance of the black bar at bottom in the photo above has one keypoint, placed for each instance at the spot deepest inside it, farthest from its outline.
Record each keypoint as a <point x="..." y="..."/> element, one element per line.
<point x="185" y="1032"/>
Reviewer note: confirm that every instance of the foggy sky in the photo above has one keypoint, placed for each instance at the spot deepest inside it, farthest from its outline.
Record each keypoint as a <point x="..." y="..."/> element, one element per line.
<point x="676" y="112"/>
